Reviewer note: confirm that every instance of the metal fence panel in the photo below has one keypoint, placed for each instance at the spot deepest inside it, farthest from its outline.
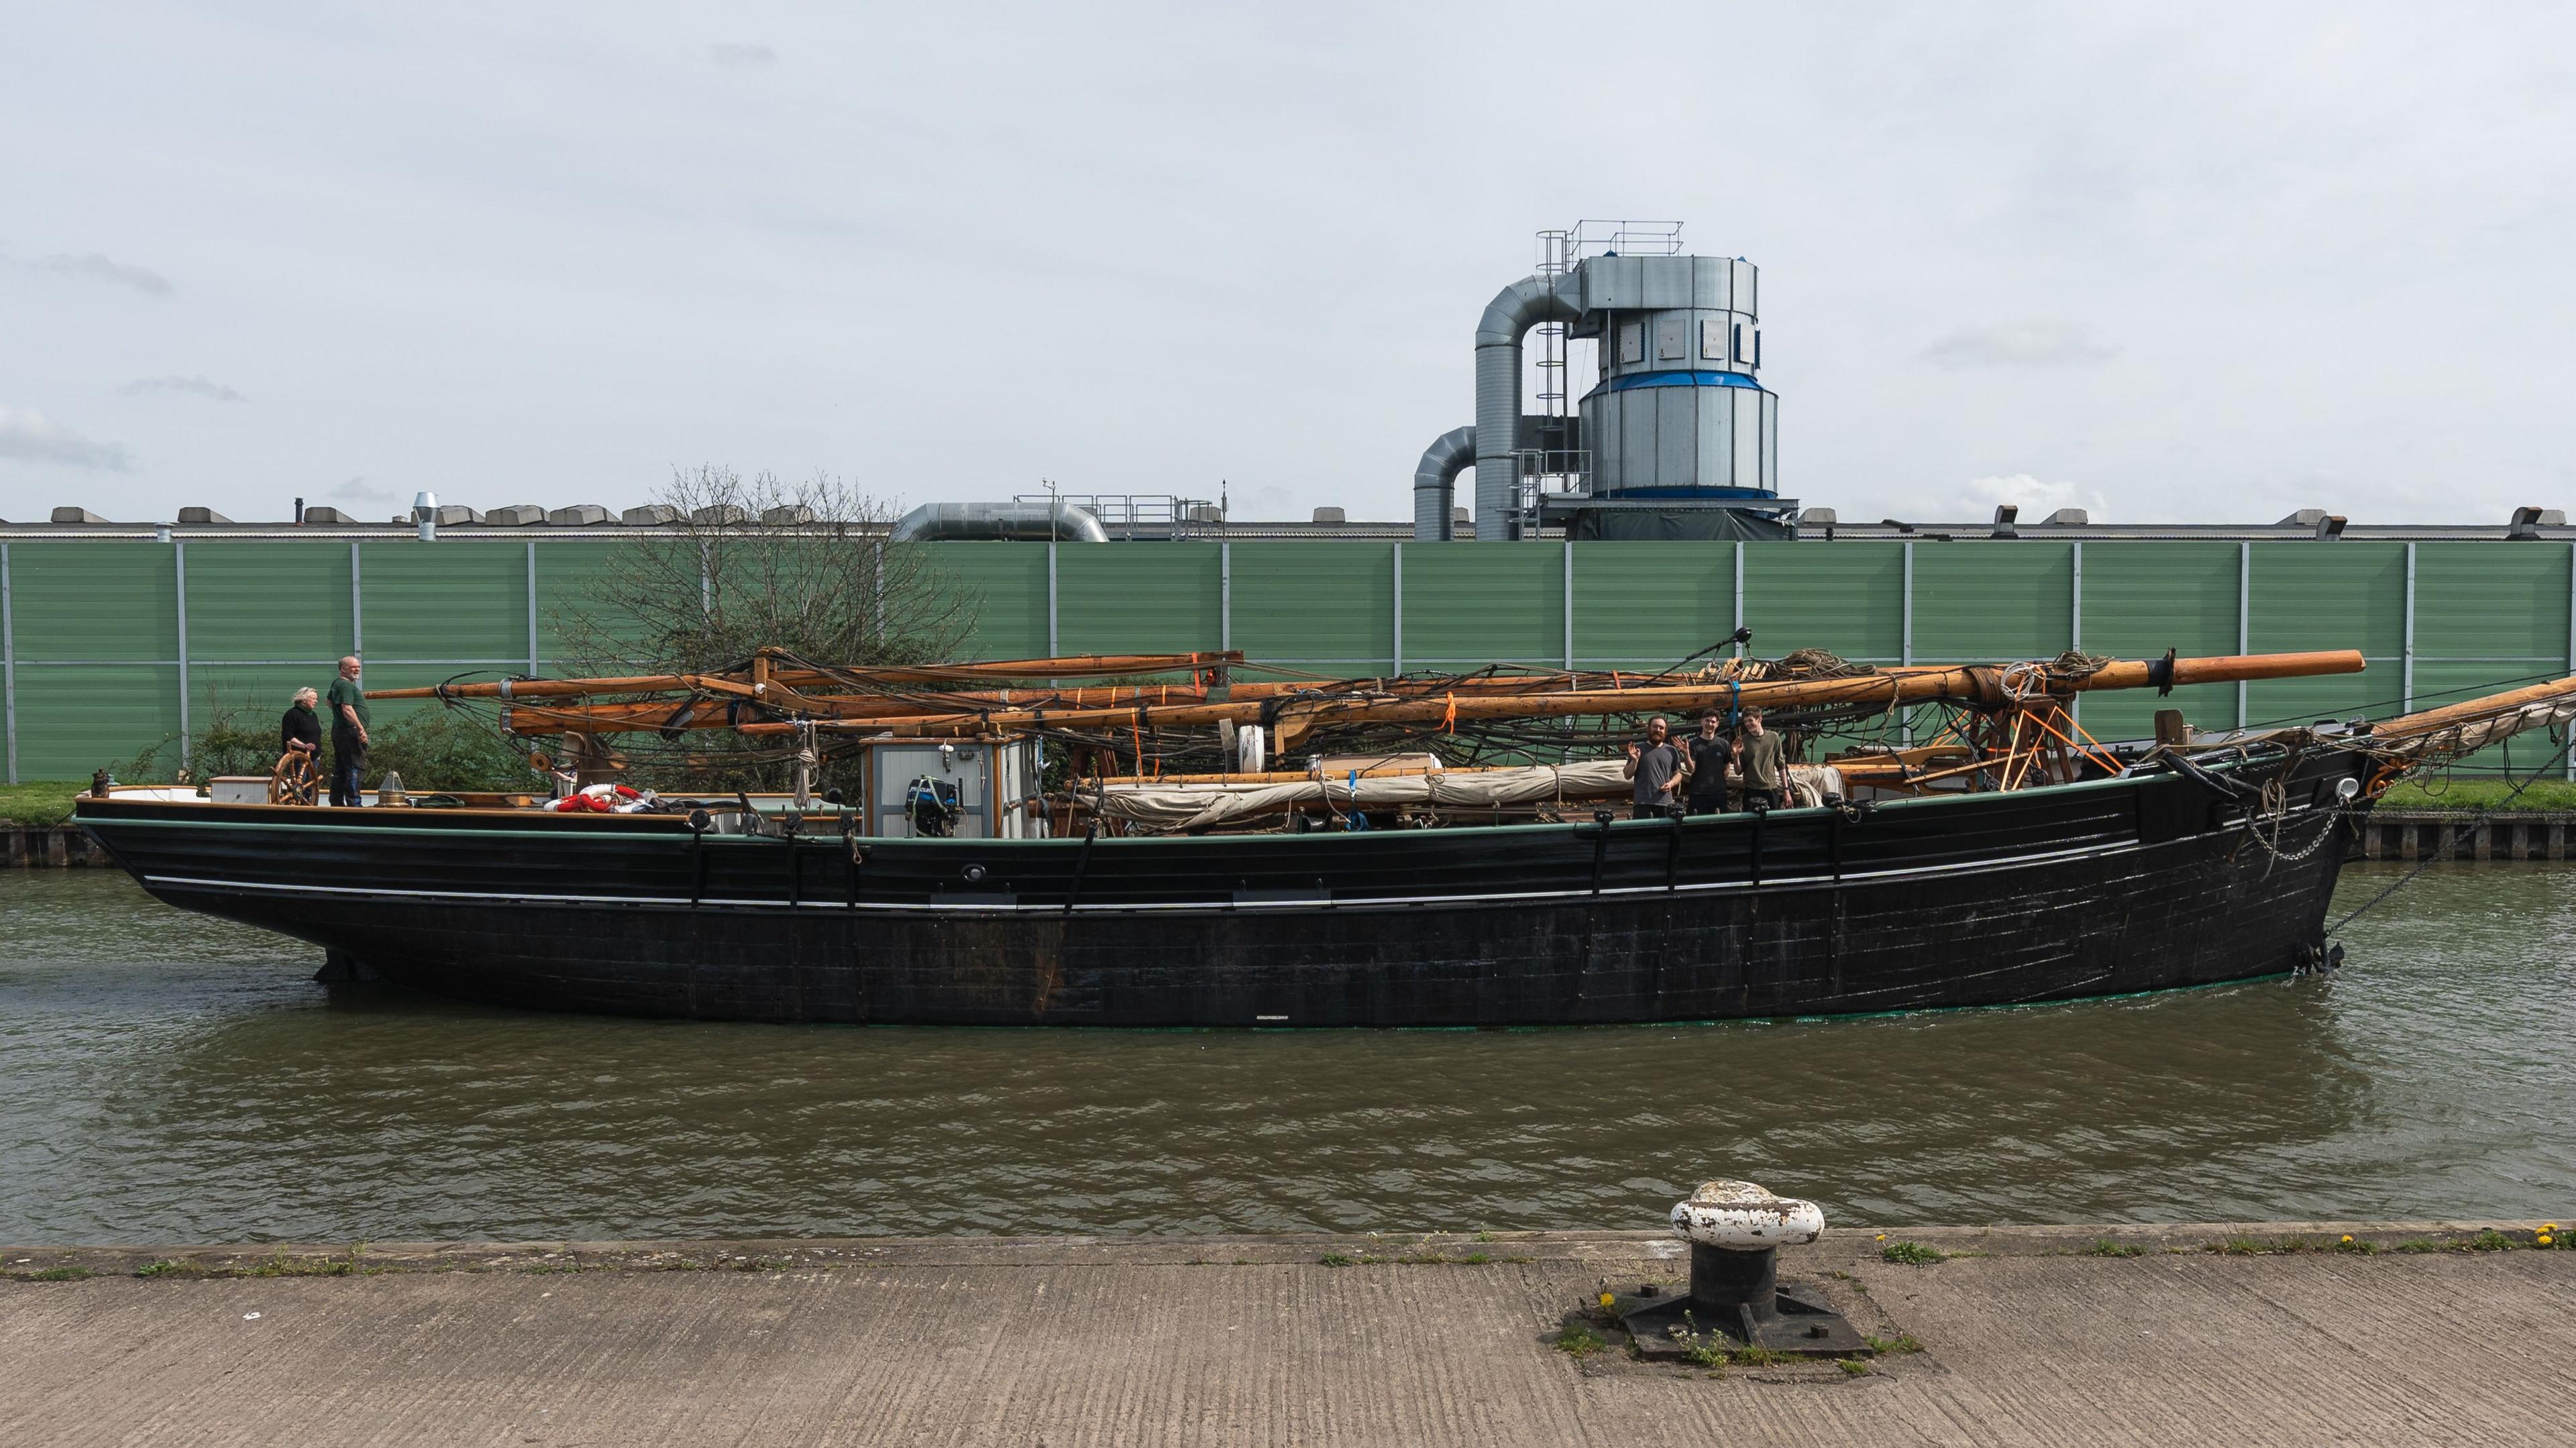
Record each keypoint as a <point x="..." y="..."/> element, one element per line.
<point x="1003" y="588"/>
<point x="574" y="593"/>
<point x="2141" y="599"/>
<point x="1329" y="607"/>
<point x="93" y="601"/>
<point x="1979" y="601"/>
<point x="74" y="720"/>
<point x="1468" y="604"/>
<point x="1128" y="600"/>
<point x="2490" y="601"/>
<point x="459" y="603"/>
<point x="1646" y="605"/>
<point x="1849" y="598"/>
<point x="274" y="601"/>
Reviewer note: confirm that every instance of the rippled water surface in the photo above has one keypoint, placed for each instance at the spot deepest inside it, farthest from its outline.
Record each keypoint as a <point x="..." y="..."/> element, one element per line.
<point x="168" y="1078"/>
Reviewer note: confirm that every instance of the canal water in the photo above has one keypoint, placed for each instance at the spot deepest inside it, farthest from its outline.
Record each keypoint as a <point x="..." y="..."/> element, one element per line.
<point x="167" y="1078"/>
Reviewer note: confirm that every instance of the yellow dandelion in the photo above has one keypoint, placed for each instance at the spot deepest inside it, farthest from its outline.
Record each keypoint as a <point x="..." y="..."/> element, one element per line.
<point x="1607" y="1299"/>
<point x="2545" y="1239"/>
<point x="2347" y="1236"/>
<point x="1882" y="1236"/>
<point x="2549" y="1226"/>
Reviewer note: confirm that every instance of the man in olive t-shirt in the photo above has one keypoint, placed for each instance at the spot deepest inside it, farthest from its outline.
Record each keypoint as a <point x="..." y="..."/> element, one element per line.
<point x="348" y="706"/>
<point x="1758" y="758"/>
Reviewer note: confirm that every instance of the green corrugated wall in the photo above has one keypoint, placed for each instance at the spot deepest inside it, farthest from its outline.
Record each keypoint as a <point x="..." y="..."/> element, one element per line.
<point x="94" y="673"/>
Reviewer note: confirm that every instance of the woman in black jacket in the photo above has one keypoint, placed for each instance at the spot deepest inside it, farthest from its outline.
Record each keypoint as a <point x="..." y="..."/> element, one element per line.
<point x="300" y="732"/>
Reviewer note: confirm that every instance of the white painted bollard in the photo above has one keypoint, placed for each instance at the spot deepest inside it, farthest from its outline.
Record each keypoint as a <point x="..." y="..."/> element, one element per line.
<point x="1736" y="1230"/>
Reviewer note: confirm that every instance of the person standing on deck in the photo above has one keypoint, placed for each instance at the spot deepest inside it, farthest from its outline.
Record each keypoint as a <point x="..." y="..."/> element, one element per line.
<point x="348" y="734"/>
<point x="1658" y="766"/>
<point x="300" y="731"/>
<point x="1758" y="754"/>
<point x="1710" y="753"/>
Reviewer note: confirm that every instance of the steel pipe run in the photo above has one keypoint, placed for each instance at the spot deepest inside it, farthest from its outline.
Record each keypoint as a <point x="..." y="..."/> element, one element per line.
<point x="1508" y="317"/>
<point x="1435" y="482"/>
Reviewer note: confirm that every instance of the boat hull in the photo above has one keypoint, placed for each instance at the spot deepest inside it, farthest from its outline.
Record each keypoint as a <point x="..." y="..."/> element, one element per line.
<point x="2051" y="894"/>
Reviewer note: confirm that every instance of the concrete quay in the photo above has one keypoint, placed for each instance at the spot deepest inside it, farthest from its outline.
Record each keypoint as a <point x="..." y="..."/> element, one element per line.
<point x="2028" y="1335"/>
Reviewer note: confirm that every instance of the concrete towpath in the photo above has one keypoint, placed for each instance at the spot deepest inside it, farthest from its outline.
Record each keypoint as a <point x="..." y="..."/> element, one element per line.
<point x="2205" y="1334"/>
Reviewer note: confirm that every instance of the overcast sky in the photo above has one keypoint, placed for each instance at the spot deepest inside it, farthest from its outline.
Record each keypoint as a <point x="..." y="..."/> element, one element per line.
<point x="2169" y="261"/>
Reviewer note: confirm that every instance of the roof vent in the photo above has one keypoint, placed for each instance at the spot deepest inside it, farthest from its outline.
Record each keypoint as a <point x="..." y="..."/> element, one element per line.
<point x="2005" y="513"/>
<point x="453" y="513"/>
<point x="651" y="515"/>
<point x="1818" y="516"/>
<point x="76" y="515"/>
<point x="2329" y="527"/>
<point x="2526" y="526"/>
<point x="787" y="515"/>
<point x="2304" y="518"/>
<point x="579" y="515"/>
<point x="518" y="515"/>
<point x="2069" y="518"/>
<point x="318" y="513"/>
<point x="719" y="515"/>
<point x="201" y="516"/>
<point x="1330" y="515"/>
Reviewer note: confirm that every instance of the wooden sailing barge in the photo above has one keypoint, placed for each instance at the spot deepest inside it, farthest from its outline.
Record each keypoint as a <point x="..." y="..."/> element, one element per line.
<point x="1998" y="855"/>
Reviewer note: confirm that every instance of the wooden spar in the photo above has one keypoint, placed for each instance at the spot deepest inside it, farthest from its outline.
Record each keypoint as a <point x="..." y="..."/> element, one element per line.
<point x="645" y="716"/>
<point x="1089" y="666"/>
<point x="2471" y="711"/>
<point x="1976" y="683"/>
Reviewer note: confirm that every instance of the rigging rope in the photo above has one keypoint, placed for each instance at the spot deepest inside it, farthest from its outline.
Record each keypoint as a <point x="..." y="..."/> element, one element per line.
<point x="2449" y="838"/>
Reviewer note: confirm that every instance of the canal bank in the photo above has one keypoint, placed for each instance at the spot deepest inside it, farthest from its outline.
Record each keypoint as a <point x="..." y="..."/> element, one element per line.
<point x="2059" y="1335"/>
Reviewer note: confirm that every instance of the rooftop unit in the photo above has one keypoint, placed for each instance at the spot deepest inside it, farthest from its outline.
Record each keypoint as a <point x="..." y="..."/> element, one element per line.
<point x="1677" y="438"/>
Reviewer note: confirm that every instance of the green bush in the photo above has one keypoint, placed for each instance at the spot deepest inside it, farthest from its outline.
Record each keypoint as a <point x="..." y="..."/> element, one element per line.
<point x="432" y="749"/>
<point x="447" y="749"/>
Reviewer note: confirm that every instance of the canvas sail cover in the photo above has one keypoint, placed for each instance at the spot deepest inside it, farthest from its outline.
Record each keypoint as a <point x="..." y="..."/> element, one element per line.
<point x="1197" y="806"/>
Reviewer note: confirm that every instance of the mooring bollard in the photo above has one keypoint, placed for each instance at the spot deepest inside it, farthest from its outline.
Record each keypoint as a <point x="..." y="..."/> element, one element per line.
<point x="1736" y="1230"/>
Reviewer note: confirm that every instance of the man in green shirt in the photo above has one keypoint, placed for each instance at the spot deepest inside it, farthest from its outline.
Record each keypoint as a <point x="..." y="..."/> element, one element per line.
<point x="1758" y="759"/>
<point x="348" y="705"/>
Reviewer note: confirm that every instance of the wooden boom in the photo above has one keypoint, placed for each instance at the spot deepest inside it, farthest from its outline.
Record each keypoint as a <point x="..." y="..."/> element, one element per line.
<point x="1080" y="666"/>
<point x="1983" y="684"/>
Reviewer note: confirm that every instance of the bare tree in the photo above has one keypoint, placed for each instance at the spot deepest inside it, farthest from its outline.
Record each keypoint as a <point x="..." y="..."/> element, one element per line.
<point x="750" y="563"/>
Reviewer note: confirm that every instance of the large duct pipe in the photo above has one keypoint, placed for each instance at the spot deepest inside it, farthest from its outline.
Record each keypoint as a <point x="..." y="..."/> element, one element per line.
<point x="1435" y="482"/>
<point x="1015" y="522"/>
<point x="1508" y="317"/>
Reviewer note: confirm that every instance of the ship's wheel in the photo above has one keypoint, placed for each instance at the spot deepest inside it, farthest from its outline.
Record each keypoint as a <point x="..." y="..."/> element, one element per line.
<point x="294" y="779"/>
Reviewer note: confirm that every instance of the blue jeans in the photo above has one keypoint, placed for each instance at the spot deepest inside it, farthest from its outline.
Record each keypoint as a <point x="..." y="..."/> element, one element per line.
<point x="348" y="762"/>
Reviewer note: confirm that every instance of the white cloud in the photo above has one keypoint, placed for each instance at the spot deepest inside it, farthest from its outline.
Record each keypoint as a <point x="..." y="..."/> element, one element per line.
<point x="2020" y="344"/>
<point x="2036" y="498"/>
<point x="31" y="437"/>
<point x="197" y="386"/>
<point x="742" y="56"/>
<point x="359" y="490"/>
<point x="105" y="269"/>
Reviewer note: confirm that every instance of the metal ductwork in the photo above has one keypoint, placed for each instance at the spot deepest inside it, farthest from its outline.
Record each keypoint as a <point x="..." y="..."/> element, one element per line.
<point x="1508" y="317"/>
<point x="1435" y="482"/>
<point x="1006" y="522"/>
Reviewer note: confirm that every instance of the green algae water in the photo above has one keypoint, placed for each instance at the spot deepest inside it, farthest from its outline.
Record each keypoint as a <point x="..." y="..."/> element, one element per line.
<point x="169" y="1078"/>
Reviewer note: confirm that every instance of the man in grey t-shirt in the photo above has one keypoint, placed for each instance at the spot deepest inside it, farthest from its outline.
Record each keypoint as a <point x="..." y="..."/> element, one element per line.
<point x="1658" y="766"/>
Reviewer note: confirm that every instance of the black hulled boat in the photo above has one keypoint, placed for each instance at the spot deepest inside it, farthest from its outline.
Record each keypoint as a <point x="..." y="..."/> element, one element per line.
<point x="2167" y="875"/>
